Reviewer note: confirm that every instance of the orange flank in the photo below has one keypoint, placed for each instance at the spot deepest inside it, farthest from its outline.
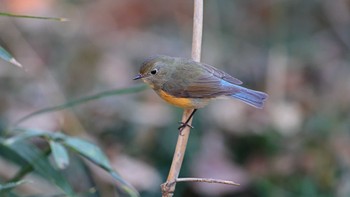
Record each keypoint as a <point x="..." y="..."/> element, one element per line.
<point x="180" y="102"/>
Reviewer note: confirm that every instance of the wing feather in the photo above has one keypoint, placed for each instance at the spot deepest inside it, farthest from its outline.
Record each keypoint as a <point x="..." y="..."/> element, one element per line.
<point x="221" y="74"/>
<point x="197" y="80"/>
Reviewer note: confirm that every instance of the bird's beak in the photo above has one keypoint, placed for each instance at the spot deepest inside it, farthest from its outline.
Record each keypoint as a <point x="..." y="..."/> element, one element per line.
<point x="139" y="76"/>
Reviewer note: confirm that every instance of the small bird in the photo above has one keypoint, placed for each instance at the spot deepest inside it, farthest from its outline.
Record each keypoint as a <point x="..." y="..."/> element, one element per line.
<point x="191" y="85"/>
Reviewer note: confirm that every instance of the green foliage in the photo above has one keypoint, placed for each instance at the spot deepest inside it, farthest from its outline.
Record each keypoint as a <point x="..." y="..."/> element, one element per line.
<point x="95" y="155"/>
<point x="58" y="147"/>
<point x="39" y="162"/>
<point x="32" y="159"/>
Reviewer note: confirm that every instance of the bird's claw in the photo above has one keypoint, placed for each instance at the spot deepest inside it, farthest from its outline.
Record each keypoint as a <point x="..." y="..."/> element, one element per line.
<point x="183" y="125"/>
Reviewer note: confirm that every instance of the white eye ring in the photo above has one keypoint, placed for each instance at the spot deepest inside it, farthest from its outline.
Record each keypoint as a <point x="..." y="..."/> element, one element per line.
<point x="154" y="71"/>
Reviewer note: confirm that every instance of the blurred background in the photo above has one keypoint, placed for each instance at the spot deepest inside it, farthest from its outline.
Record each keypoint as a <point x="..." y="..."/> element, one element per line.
<point x="297" y="51"/>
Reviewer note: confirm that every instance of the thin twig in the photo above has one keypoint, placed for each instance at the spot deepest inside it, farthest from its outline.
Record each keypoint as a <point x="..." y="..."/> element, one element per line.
<point x="168" y="188"/>
<point x="207" y="180"/>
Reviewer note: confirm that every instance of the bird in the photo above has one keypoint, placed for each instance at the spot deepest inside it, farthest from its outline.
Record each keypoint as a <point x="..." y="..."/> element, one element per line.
<point x="188" y="84"/>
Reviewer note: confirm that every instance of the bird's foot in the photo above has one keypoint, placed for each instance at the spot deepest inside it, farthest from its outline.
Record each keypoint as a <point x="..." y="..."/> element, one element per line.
<point x="183" y="125"/>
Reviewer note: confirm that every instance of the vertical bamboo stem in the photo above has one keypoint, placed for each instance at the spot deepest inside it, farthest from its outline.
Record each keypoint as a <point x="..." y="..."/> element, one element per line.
<point x="168" y="188"/>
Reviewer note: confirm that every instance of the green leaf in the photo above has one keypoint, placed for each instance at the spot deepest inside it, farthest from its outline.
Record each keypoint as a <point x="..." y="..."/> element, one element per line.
<point x="26" y="133"/>
<point x="7" y="153"/>
<point x="33" y="17"/>
<point x="82" y="147"/>
<point x="8" y="57"/>
<point x="41" y="165"/>
<point x="88" y="150"/>
<point x="72" y="103"/>
<point x="95" y="155"/>
<point x="59" y="154"/>
<point x="11" y="185"/>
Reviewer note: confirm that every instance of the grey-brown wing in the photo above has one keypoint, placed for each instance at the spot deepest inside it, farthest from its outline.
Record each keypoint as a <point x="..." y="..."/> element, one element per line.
<point x="221" y="74"/>
<point x="206" y="82"/>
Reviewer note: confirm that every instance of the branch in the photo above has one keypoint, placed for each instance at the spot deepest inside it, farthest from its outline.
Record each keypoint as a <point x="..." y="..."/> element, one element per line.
<point x="168" y="188"/>
<point x="207" y="180"/>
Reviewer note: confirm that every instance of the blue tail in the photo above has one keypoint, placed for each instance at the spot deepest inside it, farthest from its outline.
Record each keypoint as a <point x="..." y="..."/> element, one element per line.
<point x="251" y="97"/>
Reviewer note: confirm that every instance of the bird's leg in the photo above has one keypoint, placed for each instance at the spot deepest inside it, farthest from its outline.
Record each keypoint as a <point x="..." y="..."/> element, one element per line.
<point x="184" y="124"/>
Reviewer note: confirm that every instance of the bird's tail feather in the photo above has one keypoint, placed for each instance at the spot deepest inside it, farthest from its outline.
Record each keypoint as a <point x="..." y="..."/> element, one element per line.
<point x="251" y="97"/>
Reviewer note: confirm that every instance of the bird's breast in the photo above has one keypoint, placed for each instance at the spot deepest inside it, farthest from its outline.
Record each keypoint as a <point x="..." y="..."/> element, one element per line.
<point x="186" y="103"/>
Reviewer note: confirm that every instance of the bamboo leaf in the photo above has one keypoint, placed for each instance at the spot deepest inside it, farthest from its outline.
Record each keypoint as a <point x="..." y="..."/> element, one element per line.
<point x="41" y="165"/>
<point x="95" y="155"/>
<point x="8" y="57"/>
<point x="84" y="100"/>
<point x="59" y="154"/>
<point x="11" y="185"/>
<point x="26" y="133"/>
<point x="88" y="150"/>
<point x="7" y="153"/>
<point x="56" y="139"/>
<point x="33" y="17"/>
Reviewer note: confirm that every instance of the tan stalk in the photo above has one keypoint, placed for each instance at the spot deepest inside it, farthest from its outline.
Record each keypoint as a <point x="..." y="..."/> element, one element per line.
<point x="168" y="188"/>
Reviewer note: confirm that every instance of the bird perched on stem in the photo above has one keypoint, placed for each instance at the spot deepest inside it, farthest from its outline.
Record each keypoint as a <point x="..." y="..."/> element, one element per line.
<point x="191" y="85"/>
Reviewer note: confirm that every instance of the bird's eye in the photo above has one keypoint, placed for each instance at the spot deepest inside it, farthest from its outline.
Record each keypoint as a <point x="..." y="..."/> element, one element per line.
<point x="153" y="72"/>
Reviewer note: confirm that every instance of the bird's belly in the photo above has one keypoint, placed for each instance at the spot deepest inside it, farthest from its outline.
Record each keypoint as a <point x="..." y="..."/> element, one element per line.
<point x="187" y="103"/>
